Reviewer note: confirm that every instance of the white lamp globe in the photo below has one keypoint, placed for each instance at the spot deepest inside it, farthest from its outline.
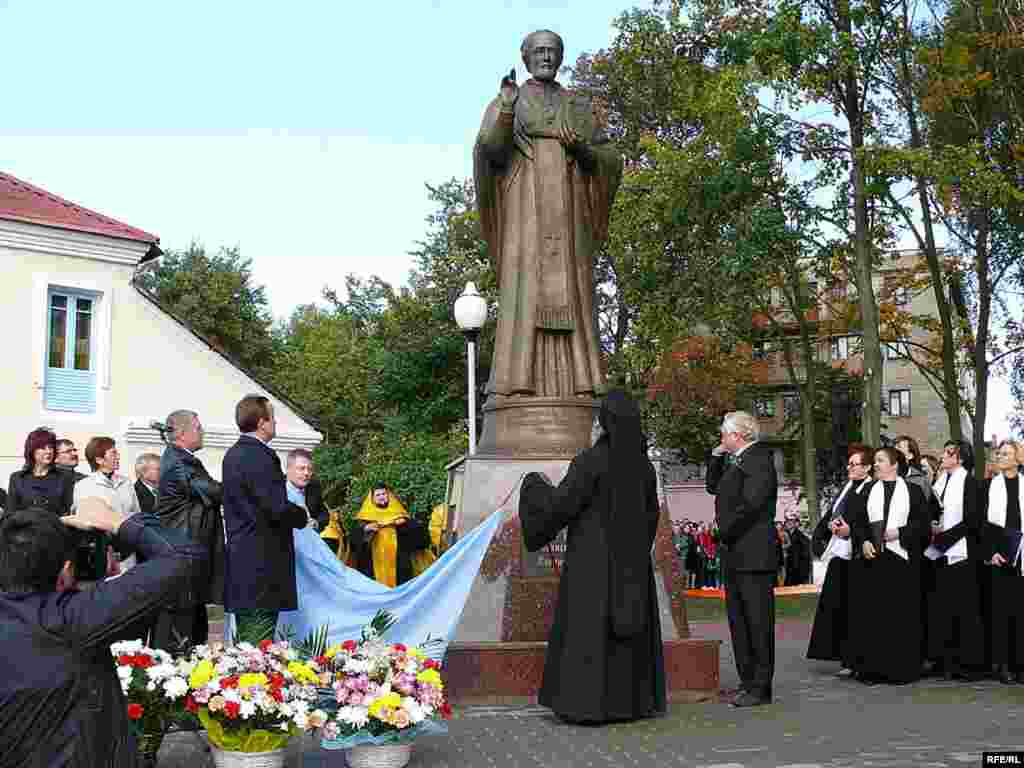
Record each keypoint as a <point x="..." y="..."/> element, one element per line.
<point x="470" y="309"/>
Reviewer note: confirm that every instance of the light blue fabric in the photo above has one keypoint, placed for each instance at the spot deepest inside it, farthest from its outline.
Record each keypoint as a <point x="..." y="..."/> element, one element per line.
<point x="296" y="496"/>
<point x="427" y="607"/>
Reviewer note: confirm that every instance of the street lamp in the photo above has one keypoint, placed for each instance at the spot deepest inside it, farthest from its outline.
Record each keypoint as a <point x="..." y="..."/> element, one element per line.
<point x="470" y="314"/>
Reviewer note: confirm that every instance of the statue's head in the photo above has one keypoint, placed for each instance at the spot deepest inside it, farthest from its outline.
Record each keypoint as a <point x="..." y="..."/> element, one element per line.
<point x="542" y="53"/>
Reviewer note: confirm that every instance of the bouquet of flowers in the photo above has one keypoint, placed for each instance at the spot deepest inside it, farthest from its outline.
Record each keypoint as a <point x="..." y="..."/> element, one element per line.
<point x="385" y="693"/>
<point x="253" y="698"/>
<point x="154" y="684"/>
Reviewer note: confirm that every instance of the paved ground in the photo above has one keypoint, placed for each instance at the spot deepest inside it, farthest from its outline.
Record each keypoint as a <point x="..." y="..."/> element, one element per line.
<point x="818" y="720"/>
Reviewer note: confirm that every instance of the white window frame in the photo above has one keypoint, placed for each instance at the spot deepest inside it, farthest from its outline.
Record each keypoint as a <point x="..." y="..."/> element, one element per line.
<point x="901" y="409"/>
<point x="896" y="350"/>
<point x="101" y="291"/>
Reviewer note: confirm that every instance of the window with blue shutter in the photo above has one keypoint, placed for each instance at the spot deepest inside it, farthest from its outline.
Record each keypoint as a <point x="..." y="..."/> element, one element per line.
<point x="70" y="353"/>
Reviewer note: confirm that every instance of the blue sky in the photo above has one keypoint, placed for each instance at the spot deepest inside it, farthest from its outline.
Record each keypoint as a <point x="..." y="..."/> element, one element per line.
<point x="302" y="131"/>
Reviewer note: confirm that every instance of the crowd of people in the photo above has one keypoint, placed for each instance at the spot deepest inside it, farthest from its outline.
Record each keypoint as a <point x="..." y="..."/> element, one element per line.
<point x="924" y="573"/>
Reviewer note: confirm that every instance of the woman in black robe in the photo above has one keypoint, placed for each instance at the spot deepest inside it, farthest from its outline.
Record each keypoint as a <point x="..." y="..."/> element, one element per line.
<point x="1002" y="502"/>
<point x="885" y="608"/>
<point x="604" y="658"/>
<point x="832" y="539"/>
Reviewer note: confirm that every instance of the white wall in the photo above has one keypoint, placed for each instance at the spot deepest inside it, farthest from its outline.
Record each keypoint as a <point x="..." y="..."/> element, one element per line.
<point x="148" y="365"/>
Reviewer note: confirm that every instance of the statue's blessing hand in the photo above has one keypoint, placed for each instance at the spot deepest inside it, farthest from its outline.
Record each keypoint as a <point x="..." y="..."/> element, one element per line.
<point x="509" y="90"/>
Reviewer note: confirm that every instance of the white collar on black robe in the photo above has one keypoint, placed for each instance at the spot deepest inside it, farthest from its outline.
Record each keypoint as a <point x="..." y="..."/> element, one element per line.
<point x="952" y="495"/>
<point x="899" y="512"/>
<point x="837" y="546"/>
<point x="997" y="501"/>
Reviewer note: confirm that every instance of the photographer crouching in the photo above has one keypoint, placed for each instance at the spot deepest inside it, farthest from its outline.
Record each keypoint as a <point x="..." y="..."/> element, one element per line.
<point x="60" y="699"/>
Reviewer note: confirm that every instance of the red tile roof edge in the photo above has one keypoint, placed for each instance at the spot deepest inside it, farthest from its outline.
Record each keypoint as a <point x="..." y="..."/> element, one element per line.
<point x="17" y="203"/>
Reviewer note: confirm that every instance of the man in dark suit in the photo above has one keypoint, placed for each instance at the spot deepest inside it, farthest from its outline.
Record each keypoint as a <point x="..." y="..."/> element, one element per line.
<point x="189" y="500"/>
<point x="147" y="484"/>
<point x="741" y="476"/>
<point x="798" y="559"/>
<point x="258" y="521"/>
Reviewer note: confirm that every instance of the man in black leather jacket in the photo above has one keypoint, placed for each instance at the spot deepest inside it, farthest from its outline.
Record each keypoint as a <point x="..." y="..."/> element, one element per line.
<point x="61" y="704"/>
<point x="189" y="501"/>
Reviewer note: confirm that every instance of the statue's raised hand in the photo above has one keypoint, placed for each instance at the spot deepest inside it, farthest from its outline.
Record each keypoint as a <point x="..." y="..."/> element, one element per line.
<point x="509" y="91"/>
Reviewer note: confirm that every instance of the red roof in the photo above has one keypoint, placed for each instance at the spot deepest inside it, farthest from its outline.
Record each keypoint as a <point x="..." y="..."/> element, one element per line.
<point x="21" y="201"/>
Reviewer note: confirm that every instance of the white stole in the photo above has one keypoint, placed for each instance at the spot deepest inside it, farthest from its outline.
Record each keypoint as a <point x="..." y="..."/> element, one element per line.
<point x="899" y="512"/>
<point x="952" y="497"/>
<point x="997" y="500"/>
<point x="837" y="546"/>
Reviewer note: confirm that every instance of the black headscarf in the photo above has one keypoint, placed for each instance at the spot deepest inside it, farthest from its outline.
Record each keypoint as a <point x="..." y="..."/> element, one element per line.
<point x="626" y="526"/>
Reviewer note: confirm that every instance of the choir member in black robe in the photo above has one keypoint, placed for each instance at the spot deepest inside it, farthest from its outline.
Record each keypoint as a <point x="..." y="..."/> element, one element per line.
<point x="1002" y="503"/>
<point x="956" y="635"/>
<point x="831" y="543"/>
<point x="914" y="472"/>
<point x="885" y="596"/>
<point x="605" y="657"/>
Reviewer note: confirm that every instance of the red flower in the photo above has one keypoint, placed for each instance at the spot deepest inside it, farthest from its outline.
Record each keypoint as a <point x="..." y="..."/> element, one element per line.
<point x="134" y="711"/>
<point x="276" y="695"/>
<point x="190" y="704"/>
<point x="446" y="711"/>
<point x="229" y="682"/>
<point x="431" y="664"/>
<point x="399" y="647"/>
<point x="349" y="645"/>
<point x="276" y="680"/>
<point x="124" y="660"/>
<point x="144" y="662"/>
<point x="231" y="709"/>
<point x="264" y="644"/>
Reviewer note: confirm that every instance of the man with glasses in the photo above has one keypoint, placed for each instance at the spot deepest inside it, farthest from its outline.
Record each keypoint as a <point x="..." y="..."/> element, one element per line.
<point x="66" y="458"/>
<point x="742" y="478"/>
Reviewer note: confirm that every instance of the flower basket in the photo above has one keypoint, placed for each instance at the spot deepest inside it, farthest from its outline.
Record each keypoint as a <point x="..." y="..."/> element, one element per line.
<point x="385" y="696"/>
<point x="252" y="700"/>
<point x="384" y="756"/>
<point x="147" y="746"/>
<point x="226" y="759"/>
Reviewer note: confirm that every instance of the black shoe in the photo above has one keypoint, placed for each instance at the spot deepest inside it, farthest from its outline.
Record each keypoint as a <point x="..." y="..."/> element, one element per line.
<point x="1003" y="674"/>
<point x="751" y="699"/>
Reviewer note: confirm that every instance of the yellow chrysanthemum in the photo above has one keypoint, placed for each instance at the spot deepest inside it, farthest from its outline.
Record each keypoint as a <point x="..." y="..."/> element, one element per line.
<point x="430" y="677"/>
<point x="416" y="653"/>
<point x="252" y="679"/>
<point x="331" y="652"/>
<point x="303" y="673"/>
<point x="202" y="674"/>
<point x="387" y="701"/>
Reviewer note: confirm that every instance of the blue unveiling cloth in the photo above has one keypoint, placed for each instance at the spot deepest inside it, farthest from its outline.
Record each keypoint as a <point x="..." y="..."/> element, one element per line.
<point x="427" y="607"/>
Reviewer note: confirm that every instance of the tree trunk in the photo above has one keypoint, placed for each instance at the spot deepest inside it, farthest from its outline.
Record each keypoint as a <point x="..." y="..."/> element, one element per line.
<point x="982" y="228"/>
<point x="950" y="385"/>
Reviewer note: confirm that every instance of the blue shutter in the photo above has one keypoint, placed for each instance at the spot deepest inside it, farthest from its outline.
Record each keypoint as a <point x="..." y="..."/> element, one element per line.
<point x="65" y="388"/>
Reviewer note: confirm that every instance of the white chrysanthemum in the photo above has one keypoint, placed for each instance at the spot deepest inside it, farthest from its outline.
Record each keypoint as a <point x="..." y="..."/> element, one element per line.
<point x="125" y="673"/>
<point x="356" y="717"/>
<point x="357" y="666"/>
<point x="301" y="721"/>
<point x="416" y="712"/>
<point x="126" y="647"/>
<point x="231" y="694"/>
<point x="176" y="687"/>
<point x="248" y="709"/>
<point x="162" y="672"/>
<point x="150" y="686"/>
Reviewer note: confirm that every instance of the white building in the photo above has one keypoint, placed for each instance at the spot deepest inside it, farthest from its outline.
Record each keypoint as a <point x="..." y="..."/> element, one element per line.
<point x="89" y="353"/>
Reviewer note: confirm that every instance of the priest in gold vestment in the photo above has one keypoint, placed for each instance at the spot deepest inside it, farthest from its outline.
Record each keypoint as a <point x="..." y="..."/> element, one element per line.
<point x="385" y="538"/>
<point x="545" y="180"/>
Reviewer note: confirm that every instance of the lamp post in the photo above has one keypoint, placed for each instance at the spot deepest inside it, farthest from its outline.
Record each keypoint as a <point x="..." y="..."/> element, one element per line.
<point x="470" y="314"/>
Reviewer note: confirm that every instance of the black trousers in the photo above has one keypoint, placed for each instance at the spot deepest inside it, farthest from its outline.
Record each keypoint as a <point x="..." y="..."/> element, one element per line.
<point x="750" y="603"/>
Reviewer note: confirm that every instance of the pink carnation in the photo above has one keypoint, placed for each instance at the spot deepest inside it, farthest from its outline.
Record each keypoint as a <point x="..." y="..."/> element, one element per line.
<point x="331" y="730"/>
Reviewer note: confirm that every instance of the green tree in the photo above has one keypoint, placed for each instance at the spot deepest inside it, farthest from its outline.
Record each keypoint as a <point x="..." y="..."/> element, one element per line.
<point x="216" y="295"/>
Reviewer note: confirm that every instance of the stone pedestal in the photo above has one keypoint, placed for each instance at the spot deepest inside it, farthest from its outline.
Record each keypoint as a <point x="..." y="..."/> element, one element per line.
<point x="497" y="653"/>
<point x="536" y="426"/>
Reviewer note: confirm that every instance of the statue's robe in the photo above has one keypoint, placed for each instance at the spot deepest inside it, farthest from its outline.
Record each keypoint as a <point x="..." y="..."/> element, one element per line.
<point x="544" y="214"/>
